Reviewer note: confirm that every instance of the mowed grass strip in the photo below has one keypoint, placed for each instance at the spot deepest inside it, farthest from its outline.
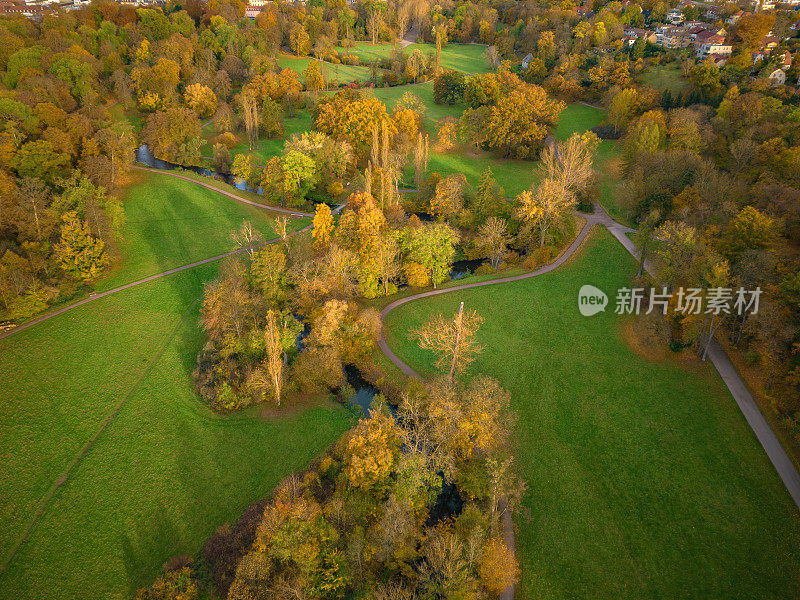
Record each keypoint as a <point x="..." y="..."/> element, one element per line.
<point x="161" y="477"/>
<point x="171" y="223"/>
<point x="644" y="480"/>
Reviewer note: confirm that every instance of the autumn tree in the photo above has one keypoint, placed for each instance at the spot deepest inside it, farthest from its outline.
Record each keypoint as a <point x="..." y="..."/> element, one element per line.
<point x="520" y="121"/>
<point x="448" y="199"/>
<point x="174" y="135"/>
<point x="493" y="239"/>
<point x="323" y="226"/>
<point x="313" y="76"/>
<point x="354" y="119"/>
<point x="372" y="449"/>
<point x="498" y="568"/>
<point x="453" y="341"/>
<point x="546" y="206"/>
<point x="201" y="99"/>
<point x="78" y="252"/>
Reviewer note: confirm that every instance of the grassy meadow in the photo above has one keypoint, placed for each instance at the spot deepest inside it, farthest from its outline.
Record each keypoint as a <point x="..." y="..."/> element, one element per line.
<point x="171" y="223"/>
<point x="644" y="480"/>
<point x="163" y="471"/>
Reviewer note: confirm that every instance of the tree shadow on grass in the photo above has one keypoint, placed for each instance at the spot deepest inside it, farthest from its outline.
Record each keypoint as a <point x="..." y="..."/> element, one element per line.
<point x="143" y="547"/>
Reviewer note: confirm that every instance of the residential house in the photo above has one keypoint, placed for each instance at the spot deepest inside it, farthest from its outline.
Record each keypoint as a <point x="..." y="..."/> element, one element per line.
<point x="735" y="17"/>
<point x="714" y="48"/>
<point x="672" y="37"/>
<point x="526" y="61"/>
<point x="631" y="34"/>
<point x="786" y="61"/>
<point x="674" y="16"/>
<point x="251" y="11"/>
<point x="769" y="44"/>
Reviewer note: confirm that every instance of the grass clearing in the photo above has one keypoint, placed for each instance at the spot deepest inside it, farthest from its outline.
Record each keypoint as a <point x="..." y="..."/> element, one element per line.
<point x="166" y="471"/>
<point x="332" y="73"/>
<point x="644" y="480"/>
<point x="467" y="58"/>
<point x="665" y="77"/>
<point x="171" y="223"/>
<point x="161" y="477"/>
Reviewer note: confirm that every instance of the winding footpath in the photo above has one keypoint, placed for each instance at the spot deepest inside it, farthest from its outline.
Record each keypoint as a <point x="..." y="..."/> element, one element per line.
<point x="727" y="372"/>
<point x="719" y="358"/>
<point x="127" y="286"/>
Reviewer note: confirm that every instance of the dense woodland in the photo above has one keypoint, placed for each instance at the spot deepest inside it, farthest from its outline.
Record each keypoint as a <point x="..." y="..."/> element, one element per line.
<point x="709" y="175"/>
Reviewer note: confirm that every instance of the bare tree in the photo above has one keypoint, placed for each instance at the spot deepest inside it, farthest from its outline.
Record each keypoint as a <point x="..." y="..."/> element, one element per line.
<point x="250" y="108"/>
<point x="743" y="151"/>
<point x="374" y="24"/>
<point x="493" y="56"/>
<point x="273" y="361"/>
<point x="281" y="225"/>
<point x="571" y="162"/>
<point x="402" y="17"/>
<point x="493" y="238"/>
<point x="247" y="238"/>
<point x="452" y="341"/>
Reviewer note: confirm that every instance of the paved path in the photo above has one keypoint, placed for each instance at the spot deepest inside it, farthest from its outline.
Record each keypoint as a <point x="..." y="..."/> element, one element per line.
<point x="97" y="296"/>
<point x="752" y="414"/>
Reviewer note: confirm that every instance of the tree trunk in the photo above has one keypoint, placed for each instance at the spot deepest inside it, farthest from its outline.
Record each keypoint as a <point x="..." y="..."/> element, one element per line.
<point x="459" y="320"/>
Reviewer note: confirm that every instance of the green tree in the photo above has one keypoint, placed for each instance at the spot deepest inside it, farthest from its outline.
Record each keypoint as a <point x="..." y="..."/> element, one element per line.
<point x="432" y="246"/>
<point x="39" y="159"/>
<point x="299" y="176"/>
<point x="448" y="88"/>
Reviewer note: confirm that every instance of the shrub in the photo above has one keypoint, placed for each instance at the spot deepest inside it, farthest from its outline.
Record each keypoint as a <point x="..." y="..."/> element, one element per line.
<point x="537" y="258"/>
<point x="498" y="568"/>
<point x="416" y="275"/>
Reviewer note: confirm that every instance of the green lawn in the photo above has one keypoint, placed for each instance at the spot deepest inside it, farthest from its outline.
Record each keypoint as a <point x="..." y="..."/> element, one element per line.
<point x="332" y="73"/>
<point x="467" y="58"/>
<point x="171" y="223"/>
<point x="577" y="117"/>
<point x="265" y="149"/>
<point x="133" y="116"/>
<point x="514" y="175"/>
<point x="644" y="480"/>
<point x="368" y="51"/>
<point x="665" y="77"/>
<point x="434" y="112"/>
<point x="166" y="471"/>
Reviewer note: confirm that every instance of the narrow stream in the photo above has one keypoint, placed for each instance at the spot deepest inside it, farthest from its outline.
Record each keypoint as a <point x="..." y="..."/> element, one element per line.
<point x="145" y="156"/>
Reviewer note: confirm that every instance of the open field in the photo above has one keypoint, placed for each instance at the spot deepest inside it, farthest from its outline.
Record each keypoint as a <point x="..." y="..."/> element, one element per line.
<point x="163" y="471"/>
<point x="467" y="58"/>
<point x="515" y="176"/>
<point x="665" y="77"/>
<point x="171" y="223"/>
<point x="434" y="112"/>
<point x="331" y="72"/>
<point x="644" y="480"/>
